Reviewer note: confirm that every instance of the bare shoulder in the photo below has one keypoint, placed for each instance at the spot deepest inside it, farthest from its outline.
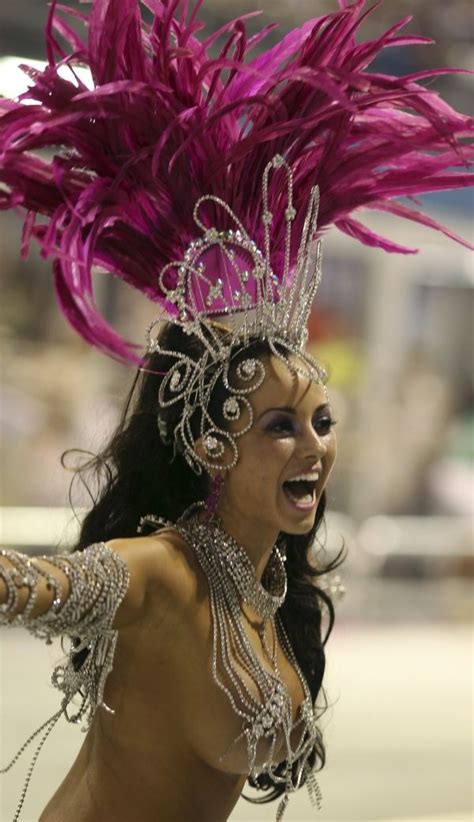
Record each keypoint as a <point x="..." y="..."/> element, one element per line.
<point x="163" y="571"/>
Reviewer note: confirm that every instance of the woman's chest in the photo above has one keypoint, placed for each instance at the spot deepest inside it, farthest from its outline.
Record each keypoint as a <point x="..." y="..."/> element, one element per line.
<point x="228" y="688"/>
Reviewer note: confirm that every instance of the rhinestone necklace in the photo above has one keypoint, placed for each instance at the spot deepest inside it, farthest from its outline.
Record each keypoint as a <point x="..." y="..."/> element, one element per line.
<point x="264" y="601"/>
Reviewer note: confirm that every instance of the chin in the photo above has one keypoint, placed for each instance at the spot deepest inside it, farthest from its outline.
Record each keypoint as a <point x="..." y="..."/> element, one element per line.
<point x="300" y="528"/>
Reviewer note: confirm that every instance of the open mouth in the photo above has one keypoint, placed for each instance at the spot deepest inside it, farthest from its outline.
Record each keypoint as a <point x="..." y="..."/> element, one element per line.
<point x="301" y="493"/>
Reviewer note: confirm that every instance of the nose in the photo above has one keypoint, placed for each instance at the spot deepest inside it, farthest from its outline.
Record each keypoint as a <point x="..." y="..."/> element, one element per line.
<point x="312" y="445"/>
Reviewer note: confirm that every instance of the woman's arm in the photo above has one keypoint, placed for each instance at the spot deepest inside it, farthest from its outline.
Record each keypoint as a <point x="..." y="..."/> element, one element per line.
<point x="88" y="596"/>
<point x="30" y="586"/>
<point x="64" y="590"/>
<point x="77" y="595"/>
<point x="64" y="594"/>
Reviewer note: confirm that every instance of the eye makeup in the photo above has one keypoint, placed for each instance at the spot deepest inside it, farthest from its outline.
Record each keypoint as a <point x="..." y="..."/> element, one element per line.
<point x="283" y="423"/>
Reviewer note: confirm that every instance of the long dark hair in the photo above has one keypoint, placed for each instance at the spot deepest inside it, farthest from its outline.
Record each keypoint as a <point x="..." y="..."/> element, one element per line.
<point x="137" y="474"/>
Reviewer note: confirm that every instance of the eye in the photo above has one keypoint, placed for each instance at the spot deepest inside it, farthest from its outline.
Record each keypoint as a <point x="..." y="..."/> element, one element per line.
<point x="324" y="423"/>
<point x="283" y="426"/>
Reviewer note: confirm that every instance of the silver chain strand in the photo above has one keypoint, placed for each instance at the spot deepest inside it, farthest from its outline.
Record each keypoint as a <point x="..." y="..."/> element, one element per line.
<point x="49" y="725"/>
<point x="265" y="710"/>
<point x="98" y="580"/>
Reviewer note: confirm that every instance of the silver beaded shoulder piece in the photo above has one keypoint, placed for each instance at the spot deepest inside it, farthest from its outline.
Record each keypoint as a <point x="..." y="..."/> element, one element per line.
<point x="266" y="709"/>
<point x="98" y="581"/>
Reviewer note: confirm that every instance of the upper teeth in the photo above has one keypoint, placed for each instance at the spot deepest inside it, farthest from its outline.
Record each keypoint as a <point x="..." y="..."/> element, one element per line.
<point x="308" y="477"/>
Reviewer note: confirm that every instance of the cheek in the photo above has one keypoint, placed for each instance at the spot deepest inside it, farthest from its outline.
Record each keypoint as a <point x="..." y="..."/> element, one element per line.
<point x="261" y="462"/>
<point x="256" y="444"/>
<point x="331" y="454"/>
<point x="270" y="456"/>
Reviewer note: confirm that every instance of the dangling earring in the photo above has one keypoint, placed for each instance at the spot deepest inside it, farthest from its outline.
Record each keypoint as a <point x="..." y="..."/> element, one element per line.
<point x="213" y="498"/>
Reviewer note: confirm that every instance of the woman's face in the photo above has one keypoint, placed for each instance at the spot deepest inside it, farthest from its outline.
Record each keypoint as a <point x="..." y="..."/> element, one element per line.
<point x="291" y="437"/>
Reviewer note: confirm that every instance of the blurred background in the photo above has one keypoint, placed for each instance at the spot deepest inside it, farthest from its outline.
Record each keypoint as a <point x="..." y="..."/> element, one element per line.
<point x="395" y="333"/>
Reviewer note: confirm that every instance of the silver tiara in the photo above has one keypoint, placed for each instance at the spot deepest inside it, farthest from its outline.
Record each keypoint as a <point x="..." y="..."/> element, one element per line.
<point x="225" y="292"/>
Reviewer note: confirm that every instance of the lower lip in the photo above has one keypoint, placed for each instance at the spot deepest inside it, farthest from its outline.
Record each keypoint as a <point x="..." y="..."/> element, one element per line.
<point x="301" y="506"/>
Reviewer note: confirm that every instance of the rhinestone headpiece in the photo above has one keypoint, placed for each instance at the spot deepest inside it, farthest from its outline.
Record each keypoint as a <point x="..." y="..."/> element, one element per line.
<point x="225" y="277"/>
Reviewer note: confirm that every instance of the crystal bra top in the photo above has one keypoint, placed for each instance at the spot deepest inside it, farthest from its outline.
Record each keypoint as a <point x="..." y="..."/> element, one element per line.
<point x="265" y="709"/>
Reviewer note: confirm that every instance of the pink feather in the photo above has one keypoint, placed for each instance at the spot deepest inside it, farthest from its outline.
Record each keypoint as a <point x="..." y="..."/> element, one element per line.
<point x="169" y="121"/>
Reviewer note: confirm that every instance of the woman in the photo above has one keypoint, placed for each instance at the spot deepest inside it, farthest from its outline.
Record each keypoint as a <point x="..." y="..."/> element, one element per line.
<point x="197" y="650"/>
<point x="174" y="742"/>
<point x="166" y="628"/>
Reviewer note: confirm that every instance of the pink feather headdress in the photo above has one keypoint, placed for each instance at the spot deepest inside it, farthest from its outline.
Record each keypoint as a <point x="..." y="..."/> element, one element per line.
<point x="167" y="123"/>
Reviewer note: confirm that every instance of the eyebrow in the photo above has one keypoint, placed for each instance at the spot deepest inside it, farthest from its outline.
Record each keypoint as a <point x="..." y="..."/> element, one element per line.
<point x="289" y="410"/>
